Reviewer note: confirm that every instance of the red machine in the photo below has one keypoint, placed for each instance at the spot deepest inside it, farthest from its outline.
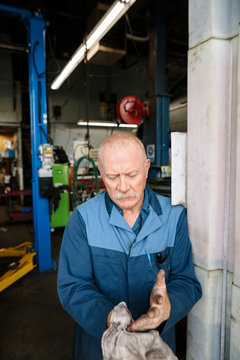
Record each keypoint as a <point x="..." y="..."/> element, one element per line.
<point x="130" y="110"/>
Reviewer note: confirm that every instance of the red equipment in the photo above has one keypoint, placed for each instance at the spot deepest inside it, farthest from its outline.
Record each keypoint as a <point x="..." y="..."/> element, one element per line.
<point x="130" y="110"/>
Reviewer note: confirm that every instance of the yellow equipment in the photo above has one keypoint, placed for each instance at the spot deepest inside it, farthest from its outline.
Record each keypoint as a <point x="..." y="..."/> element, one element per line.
<point x="23" y="265"/>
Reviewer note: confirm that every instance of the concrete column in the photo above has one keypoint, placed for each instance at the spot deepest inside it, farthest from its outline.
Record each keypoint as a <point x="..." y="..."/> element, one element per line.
<point x="212" y="119"/>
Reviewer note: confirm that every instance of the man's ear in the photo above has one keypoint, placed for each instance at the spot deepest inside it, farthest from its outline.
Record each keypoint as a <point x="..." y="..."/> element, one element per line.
<point x="148" y="163"/>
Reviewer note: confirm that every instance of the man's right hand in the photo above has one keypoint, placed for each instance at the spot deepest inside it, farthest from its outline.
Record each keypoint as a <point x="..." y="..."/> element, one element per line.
<point x="159" y="310"/>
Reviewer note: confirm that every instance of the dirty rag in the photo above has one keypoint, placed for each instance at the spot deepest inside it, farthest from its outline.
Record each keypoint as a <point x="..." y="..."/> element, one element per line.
<point x="120" y="344"/>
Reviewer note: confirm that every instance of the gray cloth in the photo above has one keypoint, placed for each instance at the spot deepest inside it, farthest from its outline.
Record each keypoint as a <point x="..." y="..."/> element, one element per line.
<point x="120" y="344"/>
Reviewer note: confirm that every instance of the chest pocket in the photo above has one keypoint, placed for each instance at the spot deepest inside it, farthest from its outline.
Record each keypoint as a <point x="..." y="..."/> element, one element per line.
<point x="162" y="260"/>
<point x="106" y="273"/>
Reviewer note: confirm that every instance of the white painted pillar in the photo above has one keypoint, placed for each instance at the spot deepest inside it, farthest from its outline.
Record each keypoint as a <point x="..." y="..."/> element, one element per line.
<point x="212" y="119"/>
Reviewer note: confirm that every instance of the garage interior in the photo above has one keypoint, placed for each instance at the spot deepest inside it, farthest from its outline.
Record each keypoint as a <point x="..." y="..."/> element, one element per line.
<point x="179" y="55"/>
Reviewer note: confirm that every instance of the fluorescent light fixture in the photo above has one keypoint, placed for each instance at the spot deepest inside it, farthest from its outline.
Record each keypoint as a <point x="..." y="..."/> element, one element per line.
<point x="104" y="124"/>
<point x="69" y="67"/>
<point x="114" y="13"/>
<point x="105" y="24"/>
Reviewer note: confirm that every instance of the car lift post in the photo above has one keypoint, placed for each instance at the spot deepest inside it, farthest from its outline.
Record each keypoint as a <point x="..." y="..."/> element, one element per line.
<point x="156" y="126"/>
<point x="36" y="25"/>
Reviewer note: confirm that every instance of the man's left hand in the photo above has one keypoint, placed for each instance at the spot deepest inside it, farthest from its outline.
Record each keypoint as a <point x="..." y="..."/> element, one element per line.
<point x="159" y="310"/>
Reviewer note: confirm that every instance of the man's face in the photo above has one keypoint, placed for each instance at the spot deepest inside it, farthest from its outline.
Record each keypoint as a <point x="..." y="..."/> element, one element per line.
<point x="124" y="171"/>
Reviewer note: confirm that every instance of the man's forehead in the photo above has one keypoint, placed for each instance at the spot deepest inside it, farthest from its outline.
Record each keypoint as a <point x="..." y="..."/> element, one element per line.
<point x="123" y="158"/>
<point x="111" y="170"/>
<point x="118" y="150"/>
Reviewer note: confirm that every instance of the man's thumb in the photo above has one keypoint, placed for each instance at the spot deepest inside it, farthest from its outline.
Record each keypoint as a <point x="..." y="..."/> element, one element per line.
<point x="161" y="278"/>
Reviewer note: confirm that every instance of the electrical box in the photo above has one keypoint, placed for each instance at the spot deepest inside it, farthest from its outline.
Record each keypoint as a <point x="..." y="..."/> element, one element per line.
<point x="46" y="155"/>
<point x="61" y="215"/>
<point x="60" y="175"/>
<point x="45" y="172"/>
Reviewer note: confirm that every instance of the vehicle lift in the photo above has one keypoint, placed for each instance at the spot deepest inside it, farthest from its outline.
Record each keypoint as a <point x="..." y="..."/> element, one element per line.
<point x="19" y="268"/>
<point x="38" y="255"/>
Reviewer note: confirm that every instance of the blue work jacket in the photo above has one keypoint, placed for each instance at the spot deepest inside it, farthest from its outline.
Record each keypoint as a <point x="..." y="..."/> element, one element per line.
<point x="103" y="262"/>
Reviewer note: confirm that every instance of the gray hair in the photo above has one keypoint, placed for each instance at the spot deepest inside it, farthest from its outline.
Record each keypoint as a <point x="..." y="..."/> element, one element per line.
<point x="121" y="139"/>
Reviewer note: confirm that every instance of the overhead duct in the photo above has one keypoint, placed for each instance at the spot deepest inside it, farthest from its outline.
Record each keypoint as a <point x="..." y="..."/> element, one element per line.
<point x="137" y="38"/>
<point x="105" y="55"/>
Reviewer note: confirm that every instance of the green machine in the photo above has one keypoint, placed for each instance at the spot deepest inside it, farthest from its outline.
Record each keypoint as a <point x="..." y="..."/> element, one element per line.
<point x="60" y="216"/>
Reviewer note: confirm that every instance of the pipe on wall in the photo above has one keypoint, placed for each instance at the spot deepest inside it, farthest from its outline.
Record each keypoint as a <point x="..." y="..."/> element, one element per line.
<point x="226" y="211"/>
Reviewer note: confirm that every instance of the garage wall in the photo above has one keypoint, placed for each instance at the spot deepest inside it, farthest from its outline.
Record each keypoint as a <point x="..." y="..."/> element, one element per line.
<point x="71" y="98"/>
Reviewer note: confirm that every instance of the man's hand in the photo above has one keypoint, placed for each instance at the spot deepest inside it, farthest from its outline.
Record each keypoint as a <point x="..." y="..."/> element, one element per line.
<point x="159" y="310"/>
<point x="108" y="319"/>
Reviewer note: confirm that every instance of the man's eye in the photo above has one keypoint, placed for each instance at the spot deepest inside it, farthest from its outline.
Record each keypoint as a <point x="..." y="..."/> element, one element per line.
<point x="112" y="177"/>
<point x="132" y="175"/>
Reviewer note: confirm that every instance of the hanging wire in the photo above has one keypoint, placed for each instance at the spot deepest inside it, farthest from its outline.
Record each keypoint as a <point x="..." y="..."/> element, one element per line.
<point x="87" y="136"/>
<point x="49" y="41"/>
<point x="137" y="54"/>
<point x="81" y="191"/>
<point x="39" y="86"/>
<point x="39" y="75"/>
<point x="70" y="89"/>
<point x="133" y="40"/>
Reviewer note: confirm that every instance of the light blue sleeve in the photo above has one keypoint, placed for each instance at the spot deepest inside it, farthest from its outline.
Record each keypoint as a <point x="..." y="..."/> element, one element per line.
<point x="77" y="290"/>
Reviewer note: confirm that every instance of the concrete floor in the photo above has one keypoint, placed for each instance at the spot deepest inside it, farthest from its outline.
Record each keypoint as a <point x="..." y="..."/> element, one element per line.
<point x="33" y="325"/>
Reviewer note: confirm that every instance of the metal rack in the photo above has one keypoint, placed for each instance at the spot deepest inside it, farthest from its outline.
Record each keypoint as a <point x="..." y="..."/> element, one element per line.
<point x="20" y="213"/>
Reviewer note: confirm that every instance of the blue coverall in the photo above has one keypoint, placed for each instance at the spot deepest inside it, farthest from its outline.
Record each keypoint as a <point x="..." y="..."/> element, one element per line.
<point x="104" y="261"/>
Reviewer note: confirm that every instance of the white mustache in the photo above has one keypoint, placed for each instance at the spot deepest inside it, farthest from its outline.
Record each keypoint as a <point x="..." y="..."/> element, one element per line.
<point x="121" y="195"/>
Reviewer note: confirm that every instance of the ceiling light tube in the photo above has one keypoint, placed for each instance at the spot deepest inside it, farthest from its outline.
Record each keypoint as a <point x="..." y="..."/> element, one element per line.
<point x="79" y="54"/>
<point x="105" y="24"/>
<point x="69" y="67"/>
<point x="114" y="13"/>
<point x="104" y="124"/>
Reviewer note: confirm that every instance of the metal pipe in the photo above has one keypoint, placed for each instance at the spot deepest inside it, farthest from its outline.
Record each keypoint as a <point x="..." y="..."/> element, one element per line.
<point x="137" y="38"/>
<point x="226" y="212"/>
<point x="14" y="47"/>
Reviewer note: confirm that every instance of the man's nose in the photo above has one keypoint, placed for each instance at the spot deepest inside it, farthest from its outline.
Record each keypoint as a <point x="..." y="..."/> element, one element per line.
<point x="123" y="184"/>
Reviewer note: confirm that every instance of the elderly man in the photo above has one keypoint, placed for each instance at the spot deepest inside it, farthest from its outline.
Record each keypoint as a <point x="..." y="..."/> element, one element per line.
<point x="127" y="244"/>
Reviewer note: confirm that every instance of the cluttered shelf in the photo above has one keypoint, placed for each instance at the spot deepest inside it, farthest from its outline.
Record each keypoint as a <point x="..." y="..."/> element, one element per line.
<point x="17" y="205"/>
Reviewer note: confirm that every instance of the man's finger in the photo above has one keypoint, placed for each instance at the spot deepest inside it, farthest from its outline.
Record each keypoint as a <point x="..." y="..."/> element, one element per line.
<point x="153" y="312"/>
<point x="160" y="278"/>
<point x="108" y="319"/>
<point x="140" y="324"/>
